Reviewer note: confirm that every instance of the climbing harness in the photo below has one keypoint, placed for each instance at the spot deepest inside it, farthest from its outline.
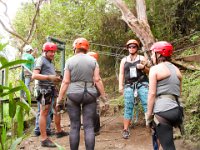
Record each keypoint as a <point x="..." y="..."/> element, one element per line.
<point x="135" y="102"/>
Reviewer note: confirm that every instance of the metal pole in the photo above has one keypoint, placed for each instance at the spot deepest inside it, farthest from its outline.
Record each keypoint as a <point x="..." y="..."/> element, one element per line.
<point x="1" y="102"/>
<point x="22" y="78"/>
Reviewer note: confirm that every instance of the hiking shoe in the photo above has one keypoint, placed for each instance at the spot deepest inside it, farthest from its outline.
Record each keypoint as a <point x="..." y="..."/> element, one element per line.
<point x="50" y="133"/>
<point x="62" y="134"/>
<point x="37" y="133"/>
<point x="125" y="134"/>
<point x="47" y="143"/>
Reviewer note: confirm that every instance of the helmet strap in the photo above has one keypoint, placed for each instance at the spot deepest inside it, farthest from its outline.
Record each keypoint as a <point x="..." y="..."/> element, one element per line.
<point x="156" y="58"/>
<point x="132" y="54"/>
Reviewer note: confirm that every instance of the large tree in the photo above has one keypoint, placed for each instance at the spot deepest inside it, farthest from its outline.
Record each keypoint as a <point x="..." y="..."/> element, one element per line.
<point x="139" y="25"/>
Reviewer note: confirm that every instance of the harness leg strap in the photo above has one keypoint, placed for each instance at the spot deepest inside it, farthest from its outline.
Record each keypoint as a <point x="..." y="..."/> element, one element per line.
<point x="165" y="136"/>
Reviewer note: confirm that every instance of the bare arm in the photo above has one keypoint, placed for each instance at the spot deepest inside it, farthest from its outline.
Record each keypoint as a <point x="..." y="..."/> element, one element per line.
<point x="152" y="90"/>
<point x="143" y="65"/>
<point x="98" y="82"/>
<point x="121" y="77"/>
<point x="146" y="68"/>
<point x="64" y="85"/>
<point x="36" y="75"/>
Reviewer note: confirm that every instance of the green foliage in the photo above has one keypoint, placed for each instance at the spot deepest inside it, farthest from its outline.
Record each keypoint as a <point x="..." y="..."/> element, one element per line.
<point x="20" y="122"/>
<point x="23" y="19"/>
<point x="10" y="91"/>
<point x="195" y="38"/>
<point x="187" y="52"/>
<point x="119" y="101"/>
<point x="173" y="19"/>
<point x="191" y="86"/>
<point x="12" y="104"/>
<point x="6" y="64"/>
<point x="3" y="136"/>
<point x="161" y="17"/>
<point x="15" y="143"/>
<point x="187" y="16"/>
<point x="59" y="147"/>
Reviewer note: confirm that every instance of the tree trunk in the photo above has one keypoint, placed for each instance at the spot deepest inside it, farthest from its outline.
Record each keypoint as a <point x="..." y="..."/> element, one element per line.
<point x="191" y="58"/>
<point x="138" y="25"/>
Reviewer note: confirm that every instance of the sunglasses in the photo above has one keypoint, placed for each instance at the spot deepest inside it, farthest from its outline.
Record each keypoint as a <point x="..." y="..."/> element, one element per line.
<point x="132" y="46"/>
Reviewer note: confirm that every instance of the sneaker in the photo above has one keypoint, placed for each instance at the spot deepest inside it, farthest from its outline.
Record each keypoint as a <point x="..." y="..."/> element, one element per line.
<point x="47" y="143"/>
<point x="125" y="134"/>
<point x="62" y="134"/>
<point x="37" y="133"/>
<point x="50" y="133"/>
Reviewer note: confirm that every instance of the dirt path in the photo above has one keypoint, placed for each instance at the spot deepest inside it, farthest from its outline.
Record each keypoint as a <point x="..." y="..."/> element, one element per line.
<point x="110" y="137"/>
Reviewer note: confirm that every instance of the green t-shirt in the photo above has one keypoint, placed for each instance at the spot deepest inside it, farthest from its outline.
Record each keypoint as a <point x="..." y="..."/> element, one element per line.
<point x="27" y="56"/>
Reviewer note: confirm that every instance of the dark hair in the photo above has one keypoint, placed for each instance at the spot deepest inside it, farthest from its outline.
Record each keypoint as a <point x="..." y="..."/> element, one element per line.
<point x="163" y="59"/>
<point x="79" y="50"/>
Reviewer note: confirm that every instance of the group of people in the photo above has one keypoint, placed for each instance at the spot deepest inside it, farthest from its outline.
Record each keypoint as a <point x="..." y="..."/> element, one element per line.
<point x="159" y="92"/>
<point x="158" y="88"/>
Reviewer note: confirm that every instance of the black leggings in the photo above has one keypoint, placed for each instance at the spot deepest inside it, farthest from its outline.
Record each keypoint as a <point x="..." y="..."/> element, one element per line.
<point x="87" y="104"/>
<point x="165" y="131"/>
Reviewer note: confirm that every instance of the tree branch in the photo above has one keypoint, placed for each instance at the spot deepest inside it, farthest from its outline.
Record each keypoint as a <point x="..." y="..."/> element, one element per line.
<point x="139" y="27"/>
<point x="34" y="19"/>
<point x="5" y="12"/>
<point x="141" y="11"/>
<point x="13" y="33"/>
<point x="9" y="22"/>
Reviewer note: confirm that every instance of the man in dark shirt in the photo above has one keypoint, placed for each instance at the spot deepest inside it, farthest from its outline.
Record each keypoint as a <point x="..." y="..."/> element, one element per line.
<point x="44" y="72"/>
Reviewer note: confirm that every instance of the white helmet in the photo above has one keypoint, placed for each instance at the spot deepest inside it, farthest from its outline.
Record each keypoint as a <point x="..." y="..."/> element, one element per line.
<point x="27" y="48"/>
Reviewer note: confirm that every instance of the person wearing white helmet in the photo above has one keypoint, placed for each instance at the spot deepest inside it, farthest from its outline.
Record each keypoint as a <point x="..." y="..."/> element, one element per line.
<point x="27" y="55"/>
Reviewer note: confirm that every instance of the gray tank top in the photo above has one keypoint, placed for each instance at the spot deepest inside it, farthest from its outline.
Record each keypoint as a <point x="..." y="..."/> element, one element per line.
<point x="81" y="68"/>
<point x="46" y="67"/>
<point x="170" y="85"/>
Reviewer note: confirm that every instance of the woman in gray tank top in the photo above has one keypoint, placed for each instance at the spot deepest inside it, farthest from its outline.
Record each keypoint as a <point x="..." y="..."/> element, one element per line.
<point x="164" y="89"/>
<point x="80" y="77"/>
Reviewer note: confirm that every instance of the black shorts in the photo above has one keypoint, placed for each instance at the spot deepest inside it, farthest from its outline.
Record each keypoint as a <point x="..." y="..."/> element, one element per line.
<point x="47" y="94"/>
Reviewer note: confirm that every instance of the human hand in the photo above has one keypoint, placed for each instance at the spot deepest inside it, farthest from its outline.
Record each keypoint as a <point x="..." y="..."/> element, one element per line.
<point x="149" y="120"/>
<point x="105" y="102"/>
<point x="121" y="91"/>
<point x="140" y="66"/>
<point x="54" y="78"/>
<point x="59" y="106"/>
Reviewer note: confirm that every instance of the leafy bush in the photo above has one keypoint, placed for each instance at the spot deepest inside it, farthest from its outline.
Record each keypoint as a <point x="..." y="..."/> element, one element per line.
<point x="191" y="95"/>
<point x="16" y="108"/>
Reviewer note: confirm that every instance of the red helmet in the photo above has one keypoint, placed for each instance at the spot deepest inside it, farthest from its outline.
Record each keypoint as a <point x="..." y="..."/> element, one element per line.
<point x="132" y="41"/>
<point x="162" y="47"/>
<point x="93" y="54"/>
<point x="48" y="46"/>
<point x="81" y="43"/>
